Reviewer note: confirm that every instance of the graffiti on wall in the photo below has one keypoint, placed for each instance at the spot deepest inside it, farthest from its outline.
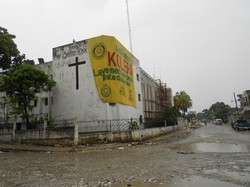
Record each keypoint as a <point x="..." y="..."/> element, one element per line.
<point x="74" y="49"/>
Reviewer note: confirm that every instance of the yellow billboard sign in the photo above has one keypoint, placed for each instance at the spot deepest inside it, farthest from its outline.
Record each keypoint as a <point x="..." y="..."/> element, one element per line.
<point x="112" y="66"/>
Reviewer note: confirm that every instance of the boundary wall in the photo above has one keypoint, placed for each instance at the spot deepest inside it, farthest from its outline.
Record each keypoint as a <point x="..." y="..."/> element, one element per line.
<point x="69" y="136"/>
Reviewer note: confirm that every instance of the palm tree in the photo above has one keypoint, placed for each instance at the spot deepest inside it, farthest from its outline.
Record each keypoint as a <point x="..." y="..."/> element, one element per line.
<point x="182" y="101"/>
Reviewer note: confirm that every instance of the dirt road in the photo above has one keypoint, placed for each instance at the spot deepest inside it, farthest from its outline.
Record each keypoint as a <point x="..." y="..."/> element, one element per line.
<point x="209" y="156"/>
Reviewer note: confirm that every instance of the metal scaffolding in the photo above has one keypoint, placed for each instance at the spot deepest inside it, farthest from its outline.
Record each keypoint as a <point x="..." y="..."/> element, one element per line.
<point x="156" y="100"/>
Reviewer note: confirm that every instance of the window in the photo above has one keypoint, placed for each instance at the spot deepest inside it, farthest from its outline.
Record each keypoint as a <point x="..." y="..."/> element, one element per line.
<point x="51" y="100"/>
<point x="138" y="77"/>
<point x="140" y="119"/>
<point x="46" y="101"/>
<point x="35" y="103"/>
<point x="139" y="97"/>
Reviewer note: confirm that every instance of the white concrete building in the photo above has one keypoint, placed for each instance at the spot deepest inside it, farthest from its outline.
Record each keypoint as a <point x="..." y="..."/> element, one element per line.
<point x="244" y="99"/>
<point x="76" y="95"/>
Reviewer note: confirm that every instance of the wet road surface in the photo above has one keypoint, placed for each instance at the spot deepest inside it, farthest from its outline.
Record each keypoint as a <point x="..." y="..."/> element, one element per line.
<point x="208" y="156"/>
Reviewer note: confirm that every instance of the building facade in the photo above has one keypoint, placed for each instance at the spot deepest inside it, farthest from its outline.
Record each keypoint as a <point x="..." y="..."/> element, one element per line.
<point x="244" y="99"/>
<point x="99" y="82"/>
<point x="156" y="96"/>
<point x="96" y="81"/>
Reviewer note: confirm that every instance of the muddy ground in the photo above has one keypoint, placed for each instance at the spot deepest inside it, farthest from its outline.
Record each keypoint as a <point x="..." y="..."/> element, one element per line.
<point x="211" y="155"/>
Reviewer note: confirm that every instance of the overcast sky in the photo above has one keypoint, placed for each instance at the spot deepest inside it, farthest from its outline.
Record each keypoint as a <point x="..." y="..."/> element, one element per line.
<point x="199" y="46"/>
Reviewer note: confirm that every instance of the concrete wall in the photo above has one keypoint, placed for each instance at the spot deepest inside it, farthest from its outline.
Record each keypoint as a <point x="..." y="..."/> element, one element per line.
<point x="5" y="135"/>
<point x="70" y="102"/>
<point x="5" y="138"/>
<point x="5" y="131"/>
<point x="144" y="134"/>
<point x="124" y="136"/>
<point x="182" y="122"/>
<point x="65" y="136"/>
<point x="66" y="132"/>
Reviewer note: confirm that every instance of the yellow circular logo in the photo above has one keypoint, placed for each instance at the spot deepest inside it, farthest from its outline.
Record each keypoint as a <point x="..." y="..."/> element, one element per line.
<point x="99" y="51"/>
<point x="106" y="90"/>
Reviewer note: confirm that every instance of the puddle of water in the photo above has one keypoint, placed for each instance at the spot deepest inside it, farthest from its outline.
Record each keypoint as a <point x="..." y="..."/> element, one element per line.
<point x="205" y="135"/>
<point x="240" y="176"/>
<point x="190" y="182"/>
<point x="247" y="168"/>
<point x="138" y="184"/>
<point x="219" y="147"/>
<point x="243" y="177"/>
<point x="209" y="171"/>
<point x="198" y="182"/>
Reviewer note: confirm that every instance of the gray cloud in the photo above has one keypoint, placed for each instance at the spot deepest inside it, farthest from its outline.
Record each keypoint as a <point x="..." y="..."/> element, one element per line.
<point x="200" y="46"/>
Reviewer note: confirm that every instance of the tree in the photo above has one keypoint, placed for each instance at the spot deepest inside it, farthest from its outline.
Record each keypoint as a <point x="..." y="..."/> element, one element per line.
<point x="182" y="101"/>
<point x="171" y="115"/>
<point x="200" y="116"/>
<point x="191" y="114"/>
<point x="9" y="54"/>
<point x="207" y="114"/>
<point x="21" y="83"/>
<point x="220" y="110"/>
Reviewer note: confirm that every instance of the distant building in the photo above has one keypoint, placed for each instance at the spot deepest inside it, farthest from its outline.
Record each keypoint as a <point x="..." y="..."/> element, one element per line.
<point x="244" y="99"/>
<point x="30" y="62"/>
<point x="156" y="97"/>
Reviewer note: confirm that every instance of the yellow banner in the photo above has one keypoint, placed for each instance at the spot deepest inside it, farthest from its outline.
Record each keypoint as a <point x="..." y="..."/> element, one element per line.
<point x="112" y="66"/>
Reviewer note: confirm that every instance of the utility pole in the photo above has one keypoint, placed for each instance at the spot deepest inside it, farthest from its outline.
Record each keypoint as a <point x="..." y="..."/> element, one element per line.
<point x="237" y="110"/>
<point x="129" y="29"/>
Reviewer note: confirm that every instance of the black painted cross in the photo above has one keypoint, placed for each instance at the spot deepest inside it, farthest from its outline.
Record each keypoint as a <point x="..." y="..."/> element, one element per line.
<point x="77" y="71"/>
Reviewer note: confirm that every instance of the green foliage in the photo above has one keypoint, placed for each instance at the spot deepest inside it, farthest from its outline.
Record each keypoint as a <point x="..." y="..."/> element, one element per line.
<point x="21" y="83"/>
<point x="191" y="114"/>
<point x="182" y="101"/>
<point x="219" y="110"/>
<point x="133" y="125"/>
<point x="37" y="121"/>
<point x="40" y="121"/>
<point x="171" y="115"/>
<point x="51" y="122"/>
<point x="207" y="114"/>
<point x="199" y="116"/>
<point x="9" y="54"/>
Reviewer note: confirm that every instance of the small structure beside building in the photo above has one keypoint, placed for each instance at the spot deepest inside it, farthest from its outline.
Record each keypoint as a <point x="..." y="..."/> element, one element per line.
<point x="244" y="99"/>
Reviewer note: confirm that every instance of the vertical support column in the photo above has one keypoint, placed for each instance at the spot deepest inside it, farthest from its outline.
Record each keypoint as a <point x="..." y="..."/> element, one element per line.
<point x="14" y="130"/>
<point x="76" y="133"/>
<point x="44" y="128"/>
